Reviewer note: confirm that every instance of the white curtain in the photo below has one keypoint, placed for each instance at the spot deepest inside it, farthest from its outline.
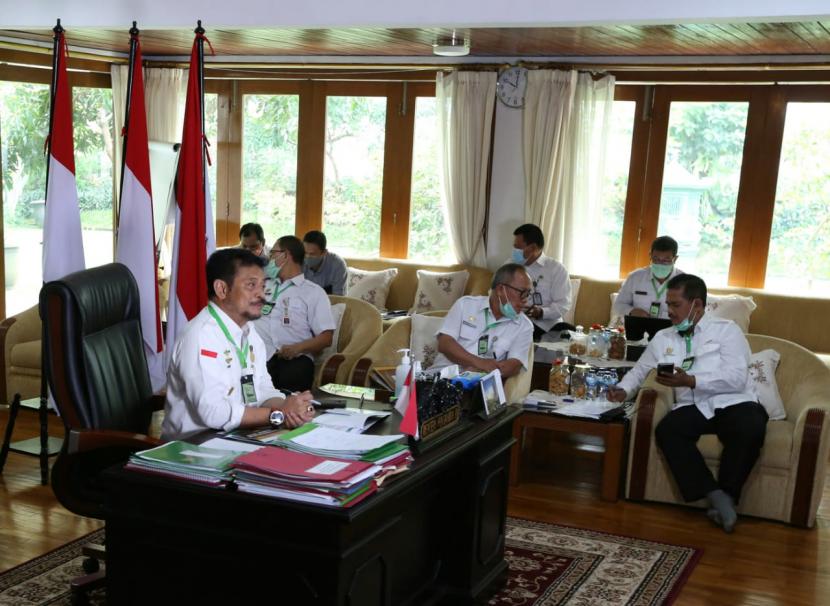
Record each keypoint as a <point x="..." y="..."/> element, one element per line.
<point x="164" y="91"/>
<point x="565" y="138"/>
<point x="465" y="117"/>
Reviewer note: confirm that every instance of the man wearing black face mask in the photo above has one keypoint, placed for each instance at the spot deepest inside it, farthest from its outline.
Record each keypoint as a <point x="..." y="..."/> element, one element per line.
<point x="322" y="266"/>
<point x="708" y="368"/>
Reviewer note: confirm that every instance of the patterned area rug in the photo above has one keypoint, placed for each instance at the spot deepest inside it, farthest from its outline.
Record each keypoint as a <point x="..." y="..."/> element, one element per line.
<point x="552" y="565"/>
<point x="549" y="565"/>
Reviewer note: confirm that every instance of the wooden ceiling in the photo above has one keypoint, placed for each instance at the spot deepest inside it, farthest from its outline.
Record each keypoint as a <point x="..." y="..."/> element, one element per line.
<point x="684" y="40"/>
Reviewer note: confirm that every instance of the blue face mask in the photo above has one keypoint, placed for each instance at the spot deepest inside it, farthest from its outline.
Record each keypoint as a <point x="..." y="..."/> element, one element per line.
<point x="507" y="310"/>
<point x="687" y="323"/>
<point x="313" y="262"/>
<point x="271" y="270"/>
<point x="661" y="271"/>
<point x="518" y="256"/>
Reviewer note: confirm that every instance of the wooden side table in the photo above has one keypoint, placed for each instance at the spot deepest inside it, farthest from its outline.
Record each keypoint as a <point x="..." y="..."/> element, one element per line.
<point x="43" y="446"/>
<point x="612" y="434"/>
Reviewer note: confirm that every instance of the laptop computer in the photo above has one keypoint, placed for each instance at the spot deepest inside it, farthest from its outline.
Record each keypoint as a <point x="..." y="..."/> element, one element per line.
<point x="636" y="327"/>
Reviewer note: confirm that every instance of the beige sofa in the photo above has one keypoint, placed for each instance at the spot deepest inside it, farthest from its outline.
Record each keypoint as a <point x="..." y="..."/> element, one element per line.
<point x="788" y="479"/>
<point x="20" y="339"/>
<point x="802" y="320"/>
<point x="403" y="287"/>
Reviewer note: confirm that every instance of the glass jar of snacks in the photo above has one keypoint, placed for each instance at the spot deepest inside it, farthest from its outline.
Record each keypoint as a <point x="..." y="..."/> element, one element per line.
<point x="579" y="343"/>
<point x="616" y="345"/>
<point x="597" y="346"/>
<point x="558" y="378"/>
<point x="578" y="386"/>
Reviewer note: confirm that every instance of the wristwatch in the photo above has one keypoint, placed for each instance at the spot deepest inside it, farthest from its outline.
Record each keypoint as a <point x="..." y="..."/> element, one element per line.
<point x="276" y="418"/>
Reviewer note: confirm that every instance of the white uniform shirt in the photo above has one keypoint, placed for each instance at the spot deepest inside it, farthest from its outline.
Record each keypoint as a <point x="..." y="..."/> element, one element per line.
<point x="204" y="389"/>
<point x="721" y="365"/>
<point x="306" y="307"/>
<point x="551" y="280"/>
<point x="638" y="291"/>
<point x="468" y="319"/>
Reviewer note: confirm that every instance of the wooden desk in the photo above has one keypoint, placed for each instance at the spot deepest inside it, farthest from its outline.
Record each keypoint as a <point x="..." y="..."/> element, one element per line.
<point x="613" y="435"/>
<point x="434" y="535"/>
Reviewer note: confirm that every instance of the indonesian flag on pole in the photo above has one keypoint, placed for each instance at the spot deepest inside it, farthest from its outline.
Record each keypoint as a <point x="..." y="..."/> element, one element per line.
<point x="63" y="246"/>
<point x="136" y="247"/>
<point x="194" y="240"/>
<point x="407" y="405"/>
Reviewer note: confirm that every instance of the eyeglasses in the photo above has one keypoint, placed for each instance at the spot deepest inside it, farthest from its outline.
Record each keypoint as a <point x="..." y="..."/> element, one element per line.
<point x="524" y="293"/>
<point x="663" y="260"/>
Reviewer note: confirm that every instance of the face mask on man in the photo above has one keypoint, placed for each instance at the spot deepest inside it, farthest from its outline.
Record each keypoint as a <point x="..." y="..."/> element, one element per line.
<point x="660" y="271"/>
<point x="313" y="262"/>
<point x="507" y="310"/>
<point x="271" y="270"/>
<point x="687" y="323"/>
<point x="518" y="256"/>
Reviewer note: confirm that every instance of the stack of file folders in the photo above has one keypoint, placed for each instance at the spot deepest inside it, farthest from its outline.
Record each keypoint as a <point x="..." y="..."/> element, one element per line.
<point x="183" y="461"/>
<point x="309" y="478"/>
<point x="313" y="439"/>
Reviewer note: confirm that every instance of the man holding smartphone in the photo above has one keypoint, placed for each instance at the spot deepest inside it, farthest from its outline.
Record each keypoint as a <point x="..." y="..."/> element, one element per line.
<point x="706" y="360"/>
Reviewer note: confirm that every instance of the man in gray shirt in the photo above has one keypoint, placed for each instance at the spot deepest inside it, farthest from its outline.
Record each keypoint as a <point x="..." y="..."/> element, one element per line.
<point x="323" y="267"/>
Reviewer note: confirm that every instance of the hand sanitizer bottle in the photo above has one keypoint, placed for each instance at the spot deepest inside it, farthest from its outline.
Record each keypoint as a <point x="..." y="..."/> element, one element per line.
<point x="402" y="370"/>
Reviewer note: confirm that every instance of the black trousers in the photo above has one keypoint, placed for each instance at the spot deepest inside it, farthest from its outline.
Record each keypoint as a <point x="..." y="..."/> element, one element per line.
<point x="296" y="374"/>
<point x="741" y="428"/>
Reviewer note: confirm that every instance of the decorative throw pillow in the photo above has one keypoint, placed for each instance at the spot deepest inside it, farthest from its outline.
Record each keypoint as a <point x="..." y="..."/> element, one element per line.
<point x="370" y="286"/>
<point x="569" y="316"/>
<point x="762" y="366"/>
<point x="438" y="290"/>
<point x="732" y="307"/>
<point x="337" y="312"/>
<point x="423" y="344"/>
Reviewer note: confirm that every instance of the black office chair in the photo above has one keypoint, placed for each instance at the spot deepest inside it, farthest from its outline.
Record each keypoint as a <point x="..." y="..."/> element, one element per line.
<point x="98" y="377"/>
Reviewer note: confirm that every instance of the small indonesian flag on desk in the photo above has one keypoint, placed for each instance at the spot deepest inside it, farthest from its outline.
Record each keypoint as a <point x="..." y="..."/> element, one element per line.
<point x="407" y="405"/>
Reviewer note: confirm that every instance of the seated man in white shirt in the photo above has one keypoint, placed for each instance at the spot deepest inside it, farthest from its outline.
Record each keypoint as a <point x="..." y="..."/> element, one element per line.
<point x="486" y="333"/>
<point x="643" y="293"/>
<point x="713" y="395"/>
<point x="217" y="377"/>
<point x="551" y="282"/>
<point x="296" y="322"/>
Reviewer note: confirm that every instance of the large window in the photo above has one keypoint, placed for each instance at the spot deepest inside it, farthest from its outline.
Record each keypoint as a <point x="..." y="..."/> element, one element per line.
<point x="429" y="234"/>
<point x="701" y="173"/>
<point x="799" y="251"/>
<point x="614" y="188"/>
<point x="352" y="186"/>
<point x="269" y="163"/>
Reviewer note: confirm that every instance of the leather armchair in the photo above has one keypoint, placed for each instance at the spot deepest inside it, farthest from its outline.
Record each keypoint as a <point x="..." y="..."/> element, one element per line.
<point x="360" y="327"/>
<point x="97" y="374"/>
<point x="20" y="342"/>
<point x="788" y="479"/>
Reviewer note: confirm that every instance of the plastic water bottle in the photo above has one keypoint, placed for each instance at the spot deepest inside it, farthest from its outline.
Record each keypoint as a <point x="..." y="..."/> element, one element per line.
<point x="591" y="384"/>
<point x="402" y="370"/>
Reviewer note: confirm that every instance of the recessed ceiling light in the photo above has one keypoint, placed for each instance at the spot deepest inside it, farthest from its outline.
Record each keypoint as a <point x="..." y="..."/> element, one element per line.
<point x="452" y="46"/>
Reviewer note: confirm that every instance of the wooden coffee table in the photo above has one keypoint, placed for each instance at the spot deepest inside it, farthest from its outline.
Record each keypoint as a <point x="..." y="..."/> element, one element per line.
<point x="612" y="433"/>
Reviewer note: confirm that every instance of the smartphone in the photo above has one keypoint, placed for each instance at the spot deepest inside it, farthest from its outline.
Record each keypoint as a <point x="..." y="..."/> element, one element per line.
<point x="665" y="370"/>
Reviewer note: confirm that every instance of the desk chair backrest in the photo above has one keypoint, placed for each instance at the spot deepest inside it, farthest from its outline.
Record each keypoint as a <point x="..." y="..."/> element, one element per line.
<point x="94" y="350"/>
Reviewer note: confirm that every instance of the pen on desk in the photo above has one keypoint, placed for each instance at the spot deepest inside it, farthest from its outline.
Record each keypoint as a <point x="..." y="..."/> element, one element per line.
<point x="362" y="398"/>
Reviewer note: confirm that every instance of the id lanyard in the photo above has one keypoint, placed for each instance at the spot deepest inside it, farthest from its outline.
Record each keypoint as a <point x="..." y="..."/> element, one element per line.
<point x="689" y="360"/>
<point x="247" y="378"/>
<point x="266" y="309"/>
<point x="658" y="292"/>
<point x="484" y="340"/>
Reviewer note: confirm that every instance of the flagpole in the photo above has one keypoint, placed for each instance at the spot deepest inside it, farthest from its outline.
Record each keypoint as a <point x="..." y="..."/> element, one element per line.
<point x="200" y="33"/>
<point x="58" y="29"/>
<point x="130" y="73"/>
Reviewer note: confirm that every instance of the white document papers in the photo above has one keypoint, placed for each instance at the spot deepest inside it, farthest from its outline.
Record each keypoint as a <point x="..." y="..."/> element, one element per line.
<point x="591" y="409"/>
<point x="350" y="419"/>
<point x="234" y="445"/>
<point x="328" y="439"/>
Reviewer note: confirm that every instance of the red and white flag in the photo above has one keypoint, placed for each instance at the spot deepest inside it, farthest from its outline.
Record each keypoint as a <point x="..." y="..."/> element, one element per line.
<point x="407" y="405"/>
<point x="136" y="242"/>
<point x="63" y="246"/>
<point x="194" y="240"/>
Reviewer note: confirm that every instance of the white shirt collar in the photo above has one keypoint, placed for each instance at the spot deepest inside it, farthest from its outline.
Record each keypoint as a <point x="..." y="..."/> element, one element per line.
<point x="236" y="331"/>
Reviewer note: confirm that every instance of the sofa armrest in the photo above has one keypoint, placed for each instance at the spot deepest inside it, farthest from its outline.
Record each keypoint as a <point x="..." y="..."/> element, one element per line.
<point x="811" y="445"/>
<point x="23" y="327"/>
<point x="329" y="368"/>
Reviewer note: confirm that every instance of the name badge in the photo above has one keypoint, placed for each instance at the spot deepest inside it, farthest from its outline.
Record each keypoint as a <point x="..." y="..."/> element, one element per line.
<point x="468" y="323"/>
<point x="537" y="298"/>
<point x="248" y="391"/>
<point x="483" y="342"/>
<point x="640" y="292"/>
<point x="687" y="363"/>
<point x="654" y="310"/>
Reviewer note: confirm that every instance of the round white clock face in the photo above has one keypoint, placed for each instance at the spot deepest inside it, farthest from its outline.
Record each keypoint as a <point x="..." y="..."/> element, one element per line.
<point x="511" y="86"/>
